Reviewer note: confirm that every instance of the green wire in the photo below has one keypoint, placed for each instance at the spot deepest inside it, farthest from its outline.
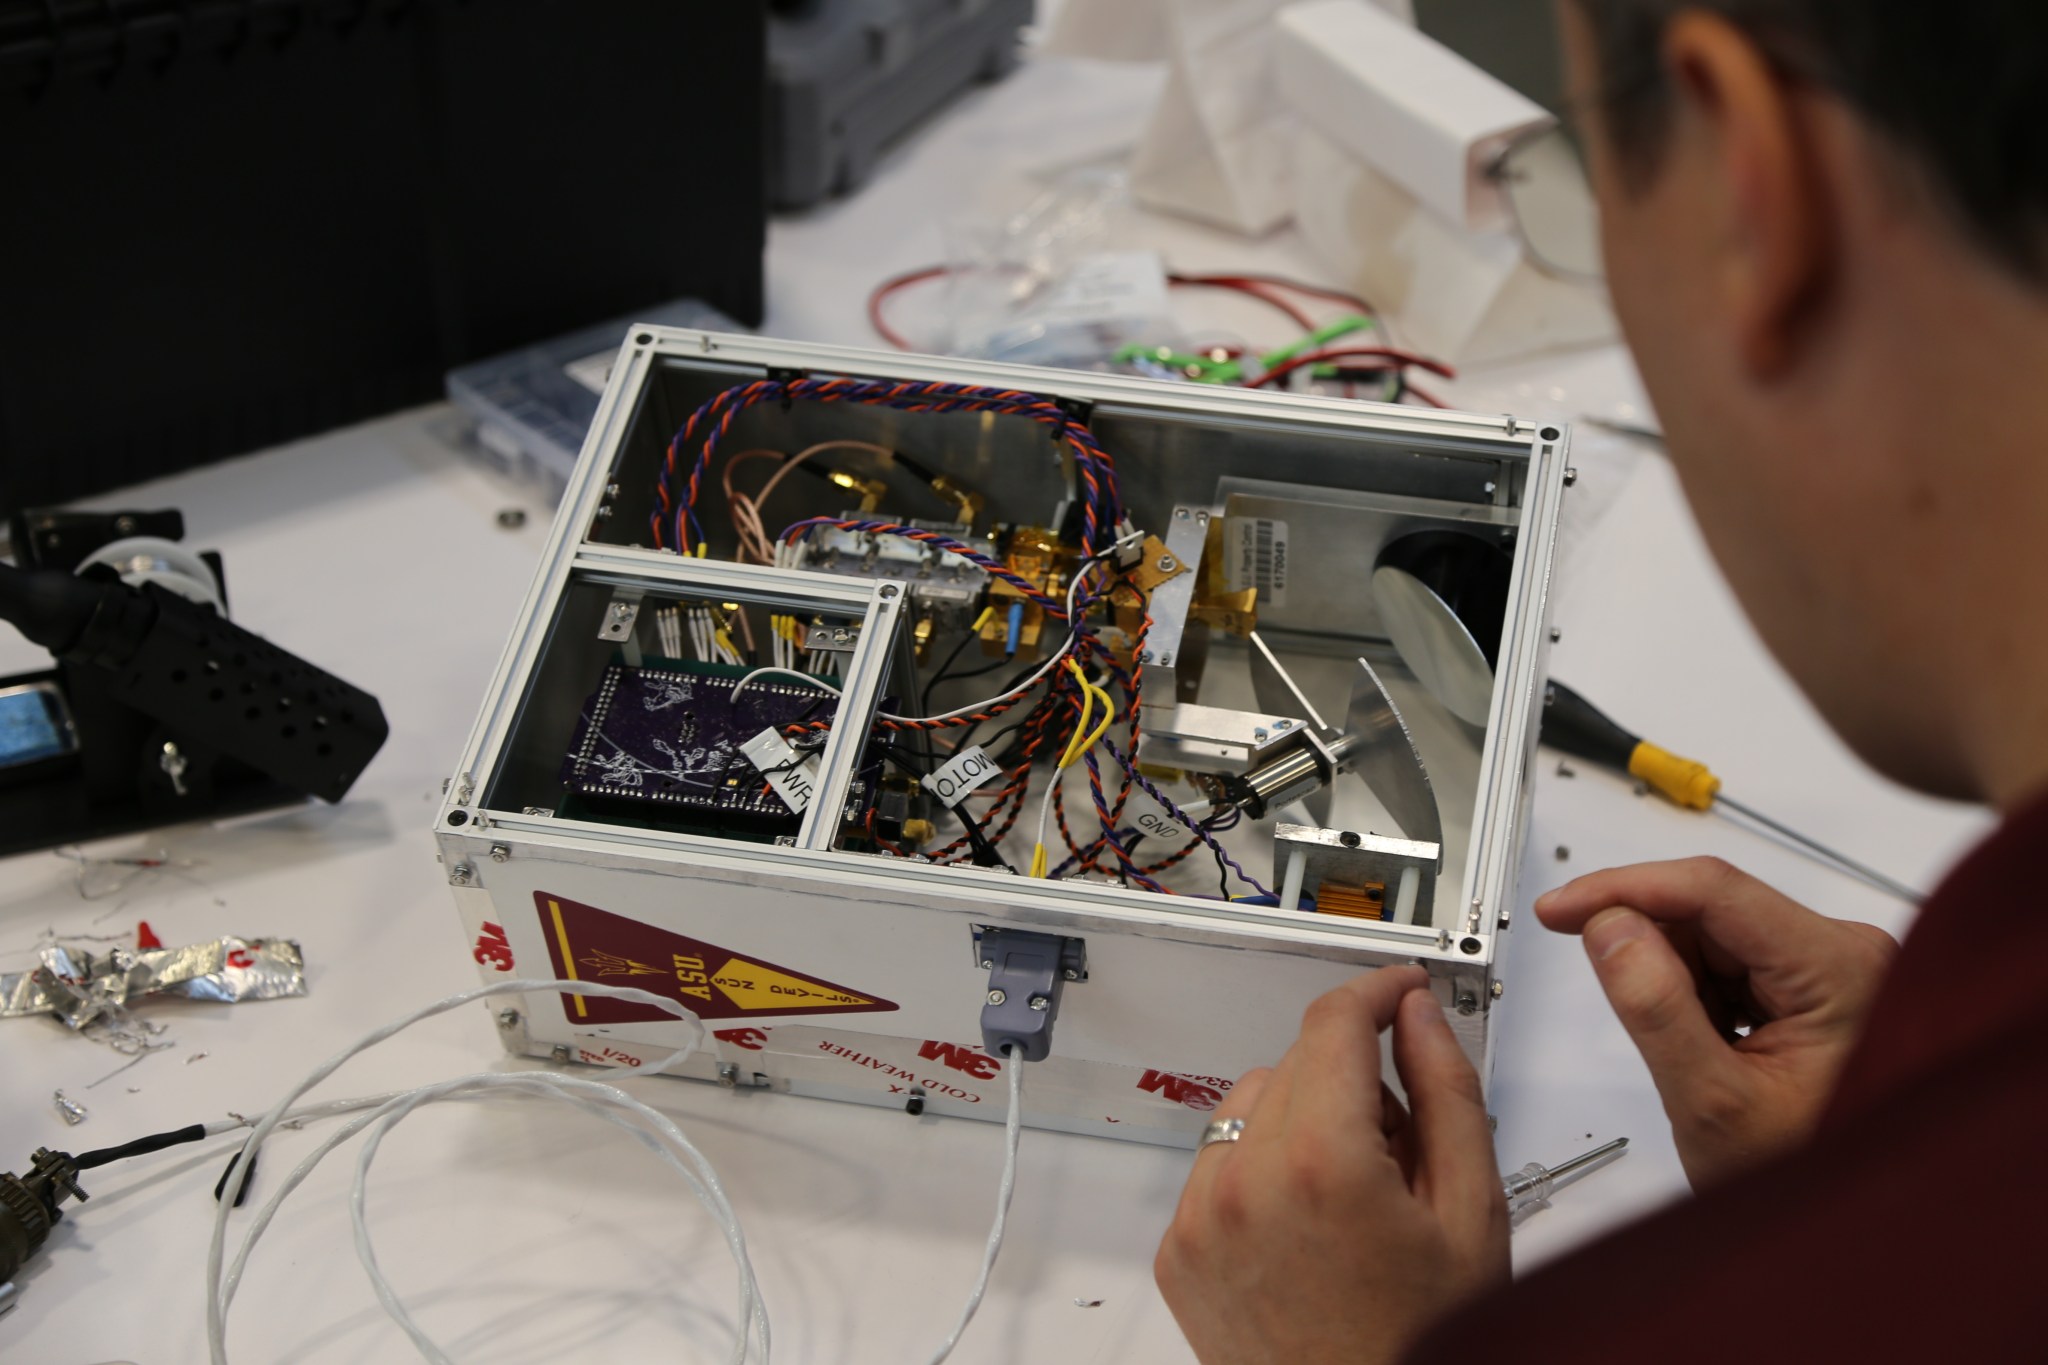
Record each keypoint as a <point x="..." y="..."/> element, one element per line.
<point x="1205" y="370"/>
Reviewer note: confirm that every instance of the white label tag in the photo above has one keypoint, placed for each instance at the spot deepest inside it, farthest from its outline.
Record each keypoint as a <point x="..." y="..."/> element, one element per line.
<point x="794" y="776"/>
<point x="1147" y="814"/>
<point x="961" y="774"/>
<point x="1256" y="557"/>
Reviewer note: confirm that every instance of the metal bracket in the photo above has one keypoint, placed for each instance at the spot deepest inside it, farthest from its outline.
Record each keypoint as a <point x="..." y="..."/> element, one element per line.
<point x="619" y="619"/>
<point x="1304" y="857"/>
<point x="1027" y="973"/>
<point x="1214" y="738"/>
<point x="837" y="639"/>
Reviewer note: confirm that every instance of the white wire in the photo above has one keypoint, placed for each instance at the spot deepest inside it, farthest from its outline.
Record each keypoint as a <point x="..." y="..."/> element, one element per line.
<point x="652" y="1129"/>
<point x="1073" y="634"/>
<point x="659" y="1132"/>
<point x="1013" y="1128"/>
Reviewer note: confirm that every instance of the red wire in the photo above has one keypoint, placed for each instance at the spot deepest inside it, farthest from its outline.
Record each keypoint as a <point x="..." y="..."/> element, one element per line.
<point x="1323" y="357"/>
<point x="1314" y="291"/>
<point x="889" y="286"/>
<point x="1255" y="286"/>
<point x="1258" y="287"/>
<point x="1246" y="286"/>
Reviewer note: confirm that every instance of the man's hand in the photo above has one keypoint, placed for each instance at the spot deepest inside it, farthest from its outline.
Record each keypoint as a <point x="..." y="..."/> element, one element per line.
<point x="1692" y="954"/>
<point x="1341" y="1224"/>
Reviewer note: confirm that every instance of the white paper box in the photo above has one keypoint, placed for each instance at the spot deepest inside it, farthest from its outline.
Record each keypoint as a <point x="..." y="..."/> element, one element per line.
<point x="1468" y="298"/>
<point x="1400" y="100"/>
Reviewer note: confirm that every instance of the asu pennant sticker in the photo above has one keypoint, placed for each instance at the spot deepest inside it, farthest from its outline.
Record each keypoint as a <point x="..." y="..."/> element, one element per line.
<point x="589" y="944"/>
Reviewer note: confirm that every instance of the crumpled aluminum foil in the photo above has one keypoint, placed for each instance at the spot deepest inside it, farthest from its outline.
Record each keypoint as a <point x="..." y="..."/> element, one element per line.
<point x="79" y="987"/>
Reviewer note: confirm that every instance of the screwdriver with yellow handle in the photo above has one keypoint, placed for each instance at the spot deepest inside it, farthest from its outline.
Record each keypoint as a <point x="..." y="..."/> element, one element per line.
<point x="1575" y="726"/>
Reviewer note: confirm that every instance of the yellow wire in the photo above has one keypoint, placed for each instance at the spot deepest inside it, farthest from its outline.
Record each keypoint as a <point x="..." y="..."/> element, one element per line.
<point x="1074" y="746"/>
<point x="1090" y="692"/>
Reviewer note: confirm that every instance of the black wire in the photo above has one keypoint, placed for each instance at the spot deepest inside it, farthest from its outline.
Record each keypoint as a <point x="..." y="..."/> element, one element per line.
<point x="248" y="1174"/>
<point x="985" y="853"/>
<point x="925" y="701"/>
<point x="142" y="1146"/>
<point x="967" y="735"/>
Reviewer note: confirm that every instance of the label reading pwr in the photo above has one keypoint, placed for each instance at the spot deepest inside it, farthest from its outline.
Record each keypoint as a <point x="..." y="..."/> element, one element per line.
<point x="793" y="775"/>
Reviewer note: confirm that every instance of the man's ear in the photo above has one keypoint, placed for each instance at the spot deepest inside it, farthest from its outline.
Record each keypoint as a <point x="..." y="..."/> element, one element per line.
<point x="1758" y="163"/>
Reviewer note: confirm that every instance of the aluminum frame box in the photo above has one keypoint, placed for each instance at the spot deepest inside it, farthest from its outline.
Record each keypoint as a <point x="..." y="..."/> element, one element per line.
<point x="855" y="976"/>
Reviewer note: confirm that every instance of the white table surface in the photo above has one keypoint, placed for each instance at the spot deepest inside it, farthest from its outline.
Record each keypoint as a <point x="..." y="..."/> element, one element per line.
<point x="524" y="1233"/>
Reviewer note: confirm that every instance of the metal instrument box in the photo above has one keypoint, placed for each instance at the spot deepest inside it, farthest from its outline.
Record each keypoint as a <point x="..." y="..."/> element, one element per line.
<point x="828" y="970"/>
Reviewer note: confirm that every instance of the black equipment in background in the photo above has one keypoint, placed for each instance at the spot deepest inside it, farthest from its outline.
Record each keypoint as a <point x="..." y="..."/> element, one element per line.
<point x="160" y="709"/>
<point x="234" y="222"/>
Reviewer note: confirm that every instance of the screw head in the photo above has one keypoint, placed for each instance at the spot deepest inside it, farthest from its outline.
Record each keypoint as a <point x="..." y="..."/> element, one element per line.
<point x="1498" y="989"/>
<point x="508" y="1018"/>
<point x="1468" y="1003"/>
<point x="561" y="1052"/>
<point x="1167" y="563"/>
<point x="500" y="853"/>
<point x="461" y="873"/>
<point x="1166" y="661"/>
<point x="987" y="965"/>
<point x="1260" y="734"/>
<point x="620" y="609"/>
<point x="1283" y="725"/>
<point x="1571" y="476"/>
<point x="1040" y="1003"/>
<point x="997" y="997"/>
<point x="1555" y="635"/>
<point x="1071" y="975"/>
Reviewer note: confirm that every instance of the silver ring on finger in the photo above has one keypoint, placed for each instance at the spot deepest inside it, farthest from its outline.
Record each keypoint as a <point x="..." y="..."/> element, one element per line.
<point x="1221" y="1130"/>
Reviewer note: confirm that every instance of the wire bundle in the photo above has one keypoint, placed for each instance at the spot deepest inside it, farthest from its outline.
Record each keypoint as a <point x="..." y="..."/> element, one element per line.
<point x="674" y="521"/>
<point x="652" y="1129"/>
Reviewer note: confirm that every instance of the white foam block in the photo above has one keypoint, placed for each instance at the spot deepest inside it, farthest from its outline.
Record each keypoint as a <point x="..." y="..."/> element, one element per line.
<point x="1401" y="101"/>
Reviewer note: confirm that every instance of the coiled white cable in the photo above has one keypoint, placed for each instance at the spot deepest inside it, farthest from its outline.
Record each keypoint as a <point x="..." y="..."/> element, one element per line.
<point x="651" y="1128"/>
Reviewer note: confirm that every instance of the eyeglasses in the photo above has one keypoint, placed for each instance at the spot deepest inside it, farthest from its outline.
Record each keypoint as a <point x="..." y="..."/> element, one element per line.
<point x="1542" y="175"/>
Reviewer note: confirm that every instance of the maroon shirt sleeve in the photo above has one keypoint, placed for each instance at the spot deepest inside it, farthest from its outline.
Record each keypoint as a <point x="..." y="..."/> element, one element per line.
<point x="1910" y="1228"/>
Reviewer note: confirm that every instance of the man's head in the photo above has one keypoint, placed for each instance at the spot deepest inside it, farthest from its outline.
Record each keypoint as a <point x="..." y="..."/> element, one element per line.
<point x="1826" y="230"/>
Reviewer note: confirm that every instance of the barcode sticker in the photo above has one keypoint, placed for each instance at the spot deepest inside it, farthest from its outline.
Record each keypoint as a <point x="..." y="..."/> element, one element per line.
<point x="961" y="774"/>
<point x="1256" y="549"/>
<point x="794" y="776"/>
